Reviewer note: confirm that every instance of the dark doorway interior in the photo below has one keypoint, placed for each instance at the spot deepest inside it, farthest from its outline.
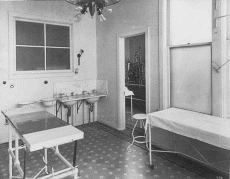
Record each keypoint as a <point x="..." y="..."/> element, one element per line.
<point x="135" y="75"/>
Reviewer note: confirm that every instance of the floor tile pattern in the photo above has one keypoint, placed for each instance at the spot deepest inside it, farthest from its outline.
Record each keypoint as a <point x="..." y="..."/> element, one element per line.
<point x="102" y="154"/>
<point x="186" y="163"/>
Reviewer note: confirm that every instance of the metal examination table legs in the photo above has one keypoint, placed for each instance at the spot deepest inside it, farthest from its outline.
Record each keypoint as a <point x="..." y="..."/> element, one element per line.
<point x="14" y="161"/>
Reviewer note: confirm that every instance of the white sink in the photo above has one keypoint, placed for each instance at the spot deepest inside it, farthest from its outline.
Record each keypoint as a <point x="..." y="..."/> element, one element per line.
<point x="70" y="102"/>
<point x="48" y="101"/>
<point x="26" y="104"/>
<point x="93" y="98"/>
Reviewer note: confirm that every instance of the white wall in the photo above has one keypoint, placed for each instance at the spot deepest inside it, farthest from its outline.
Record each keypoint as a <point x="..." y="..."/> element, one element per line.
<point x="84" y="35"/>
<point x="127" y="16"/>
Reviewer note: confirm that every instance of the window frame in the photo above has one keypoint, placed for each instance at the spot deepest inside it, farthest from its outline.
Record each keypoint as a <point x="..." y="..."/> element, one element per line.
<point x="220" y="82"/>
<point x="13" y="17"/>
<point x="188" y="44"/>
<point x="190" y="41"/>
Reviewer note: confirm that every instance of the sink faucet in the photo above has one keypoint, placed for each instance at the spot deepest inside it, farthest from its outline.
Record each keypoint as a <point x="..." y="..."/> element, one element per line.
<point x="63" y="94"/>
<point x="85" y="92"/>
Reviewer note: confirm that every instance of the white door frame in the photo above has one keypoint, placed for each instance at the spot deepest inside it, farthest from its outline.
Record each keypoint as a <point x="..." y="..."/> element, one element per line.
<point x="121" y="72"/>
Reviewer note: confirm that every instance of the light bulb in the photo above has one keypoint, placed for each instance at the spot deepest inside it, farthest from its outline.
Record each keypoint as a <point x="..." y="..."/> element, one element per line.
<point x="78" y="8"/>
<point x="102" y="18"/>
<point x="78" y="17"/>
<point x="108" y="10"/>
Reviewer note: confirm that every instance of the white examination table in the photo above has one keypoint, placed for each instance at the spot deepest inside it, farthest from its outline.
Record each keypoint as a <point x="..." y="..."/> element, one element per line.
<point x="38" y="129"/>
<point x="209" y="129"/>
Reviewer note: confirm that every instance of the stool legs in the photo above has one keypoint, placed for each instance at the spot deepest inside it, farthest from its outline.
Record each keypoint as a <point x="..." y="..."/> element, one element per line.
<point x="136" y="137"/>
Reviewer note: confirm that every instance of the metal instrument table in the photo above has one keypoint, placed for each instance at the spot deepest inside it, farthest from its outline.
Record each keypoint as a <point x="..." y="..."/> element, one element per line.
<point x="38" y="129"/>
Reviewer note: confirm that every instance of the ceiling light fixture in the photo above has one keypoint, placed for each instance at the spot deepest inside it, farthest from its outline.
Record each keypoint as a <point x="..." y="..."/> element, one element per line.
<point x="91" y="5"/>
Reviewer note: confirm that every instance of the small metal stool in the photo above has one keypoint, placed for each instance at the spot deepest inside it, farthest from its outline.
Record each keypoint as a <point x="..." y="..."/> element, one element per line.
<point x="141" y="118"/>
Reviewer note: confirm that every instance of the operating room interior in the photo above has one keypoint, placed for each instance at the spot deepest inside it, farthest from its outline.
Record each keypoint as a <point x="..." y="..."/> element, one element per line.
<point x="97" y="71"/>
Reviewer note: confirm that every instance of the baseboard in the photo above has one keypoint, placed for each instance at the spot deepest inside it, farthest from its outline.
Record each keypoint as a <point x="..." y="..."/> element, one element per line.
<point x="4" y="145"/>
<point x="108" y="124"/>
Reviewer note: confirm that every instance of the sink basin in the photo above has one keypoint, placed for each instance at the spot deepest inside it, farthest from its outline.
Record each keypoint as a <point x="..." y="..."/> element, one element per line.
<point x="26" y="104"/>
<point x="48" y="101"/>
<point x="93" y="98"/>
<point x="70" y="101"/>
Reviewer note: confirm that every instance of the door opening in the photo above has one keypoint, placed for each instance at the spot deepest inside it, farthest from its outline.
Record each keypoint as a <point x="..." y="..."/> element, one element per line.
<point x="138" y="82"/>
<point x="135" y="77"/>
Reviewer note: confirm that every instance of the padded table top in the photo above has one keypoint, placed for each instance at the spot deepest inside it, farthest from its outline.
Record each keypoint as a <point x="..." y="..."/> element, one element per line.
<point x="209" y="129"/>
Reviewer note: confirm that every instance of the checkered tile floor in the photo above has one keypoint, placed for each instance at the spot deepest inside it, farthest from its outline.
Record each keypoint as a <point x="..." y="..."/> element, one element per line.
<point x="102" y="155"/>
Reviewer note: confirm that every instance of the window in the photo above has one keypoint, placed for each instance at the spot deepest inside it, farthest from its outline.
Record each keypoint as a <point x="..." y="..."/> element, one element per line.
<point x="190" y="21"/>
<point x="42" y="46"/>
<point x="190" y="55"/>
<point x="191" y="80"/>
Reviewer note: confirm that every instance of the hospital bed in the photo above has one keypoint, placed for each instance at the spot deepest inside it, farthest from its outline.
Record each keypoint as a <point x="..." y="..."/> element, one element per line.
<point x="38" y="129"/>
<point x="206" y="128"/>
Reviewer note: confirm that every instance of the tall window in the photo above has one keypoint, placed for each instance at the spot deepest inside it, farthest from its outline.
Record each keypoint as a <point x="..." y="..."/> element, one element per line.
<point x="41" y="46"/>
<point x="190" y="55"/>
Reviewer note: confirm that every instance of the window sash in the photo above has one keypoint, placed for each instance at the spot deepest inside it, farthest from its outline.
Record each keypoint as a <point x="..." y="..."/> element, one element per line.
<point x="64" y="48"/>
<point x="190" y="21"/>
<point x="13" y="74"/>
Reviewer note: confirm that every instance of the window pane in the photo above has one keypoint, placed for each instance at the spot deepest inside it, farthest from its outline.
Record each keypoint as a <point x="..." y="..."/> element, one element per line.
<point x="29" y="33"/>
<point x="57" y="36"/>
<point x="29" y="58"/>
<point x="190" y="74"/>
<point x="190" y="21"/>
<point x="57" y="59"/>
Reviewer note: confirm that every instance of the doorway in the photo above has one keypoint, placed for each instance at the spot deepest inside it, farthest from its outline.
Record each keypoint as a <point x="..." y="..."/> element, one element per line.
<point x="144" y="101"/>
<point x="135" y="77"/>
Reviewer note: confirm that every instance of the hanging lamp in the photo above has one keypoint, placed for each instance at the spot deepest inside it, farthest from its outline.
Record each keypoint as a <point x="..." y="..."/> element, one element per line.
<point x="91" y="5"/>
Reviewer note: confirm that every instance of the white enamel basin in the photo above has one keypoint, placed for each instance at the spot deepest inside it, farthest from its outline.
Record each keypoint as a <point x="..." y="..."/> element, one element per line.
<point x="48" y="101"/>
<point x="26" y="104"/>
<point x="93" y="98"/>
<point x="70" y="102"/>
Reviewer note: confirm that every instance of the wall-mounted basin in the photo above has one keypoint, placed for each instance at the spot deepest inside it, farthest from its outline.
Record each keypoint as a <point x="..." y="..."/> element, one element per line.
<point x="48" y="101"/>
<point x="25" y="104"/>
<point x="93" y="98"/>
<point x="70" y="101"/>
